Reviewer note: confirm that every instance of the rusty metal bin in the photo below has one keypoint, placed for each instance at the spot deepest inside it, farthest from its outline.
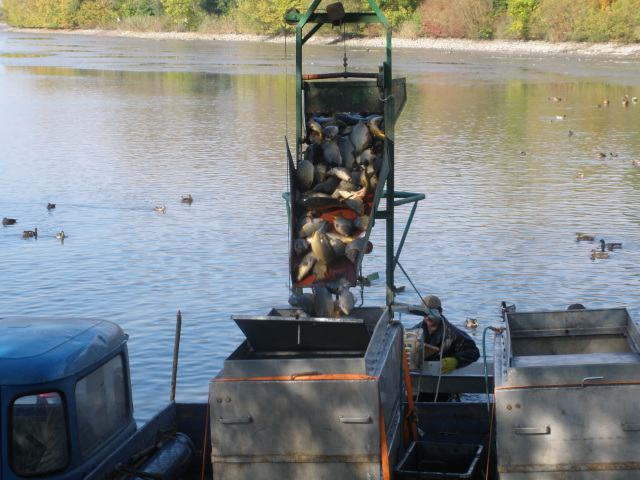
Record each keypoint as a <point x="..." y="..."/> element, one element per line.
<point x="426" y="461"/>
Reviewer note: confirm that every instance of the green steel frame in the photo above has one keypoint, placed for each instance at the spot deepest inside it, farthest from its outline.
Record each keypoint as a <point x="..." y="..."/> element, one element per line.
<point x="385" y="83"/>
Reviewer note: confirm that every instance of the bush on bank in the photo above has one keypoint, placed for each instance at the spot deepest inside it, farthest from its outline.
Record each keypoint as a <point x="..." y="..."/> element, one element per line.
<point x="551" y="20"/>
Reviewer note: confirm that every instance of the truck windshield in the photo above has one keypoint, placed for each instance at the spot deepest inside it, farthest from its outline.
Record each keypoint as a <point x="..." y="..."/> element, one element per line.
<point x="101" y="404"/>
<point x="38" y="434"/>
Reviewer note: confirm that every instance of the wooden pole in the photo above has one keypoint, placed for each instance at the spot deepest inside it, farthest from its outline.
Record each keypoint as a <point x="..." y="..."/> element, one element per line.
<point x="176" y="349"/>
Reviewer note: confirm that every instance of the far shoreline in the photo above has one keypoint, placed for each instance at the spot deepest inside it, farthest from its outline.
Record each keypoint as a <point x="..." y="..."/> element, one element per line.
<point x="448" y="44"/>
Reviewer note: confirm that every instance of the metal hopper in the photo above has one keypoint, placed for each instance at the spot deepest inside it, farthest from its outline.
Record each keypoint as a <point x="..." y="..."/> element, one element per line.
<point x="567" y="395"/>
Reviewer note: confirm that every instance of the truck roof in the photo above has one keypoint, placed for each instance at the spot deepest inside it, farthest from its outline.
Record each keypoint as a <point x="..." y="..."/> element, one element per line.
<point x="36" y="350"/>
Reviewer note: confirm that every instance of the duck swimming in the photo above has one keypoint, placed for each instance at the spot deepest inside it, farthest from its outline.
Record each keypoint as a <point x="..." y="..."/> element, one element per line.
<point x="595" y="255"/>
<point x="9" y="221"/>
<point x="610" y="246"/>
<point x="187" y="199"/>
<point x="586" y="238"/>
<point x="51" y="206"/>
<point x="160" y="209"/>
<point x="471" y="323"/>
<point x="30" y="233"/>
<point x="60" y="235"/>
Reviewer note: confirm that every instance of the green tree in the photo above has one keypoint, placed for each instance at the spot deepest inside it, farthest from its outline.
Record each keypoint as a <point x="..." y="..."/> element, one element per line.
<point x="265" y="15"/>
<point x="521" y="11"/>
<point x="93" y="13"/>
<point x="180" y="11"/>
<point x="40" y="13"/>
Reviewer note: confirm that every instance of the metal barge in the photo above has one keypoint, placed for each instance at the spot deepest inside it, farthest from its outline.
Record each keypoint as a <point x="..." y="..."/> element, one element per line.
<point x="318" y="396"/>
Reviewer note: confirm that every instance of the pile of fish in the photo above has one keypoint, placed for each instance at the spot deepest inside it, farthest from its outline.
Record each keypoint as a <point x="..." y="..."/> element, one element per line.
<point x="321" y="303"/>
<point x="333" y="192"/>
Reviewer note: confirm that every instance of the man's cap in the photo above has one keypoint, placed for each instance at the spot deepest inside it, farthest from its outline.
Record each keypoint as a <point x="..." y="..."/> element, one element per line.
<point x="432" y="301"/>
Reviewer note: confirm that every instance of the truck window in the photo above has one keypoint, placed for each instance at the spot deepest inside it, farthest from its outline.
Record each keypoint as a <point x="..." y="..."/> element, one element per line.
<point x="39" y="443"/>
<point x="101" y="404"/>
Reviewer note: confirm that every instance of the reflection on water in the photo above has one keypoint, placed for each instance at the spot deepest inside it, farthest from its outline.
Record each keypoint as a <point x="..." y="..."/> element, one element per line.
<point x="109" y="128"/>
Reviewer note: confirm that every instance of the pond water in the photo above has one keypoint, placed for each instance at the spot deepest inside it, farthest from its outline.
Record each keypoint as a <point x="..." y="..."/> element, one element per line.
<point x="109" y="128"/>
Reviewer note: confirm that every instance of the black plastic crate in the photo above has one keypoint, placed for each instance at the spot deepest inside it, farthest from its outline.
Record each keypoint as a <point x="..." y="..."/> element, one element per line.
<point x="426" y="461"/>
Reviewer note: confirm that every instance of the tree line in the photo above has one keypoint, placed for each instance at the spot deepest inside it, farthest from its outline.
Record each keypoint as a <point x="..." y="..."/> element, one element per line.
<point x="550" y="20"/>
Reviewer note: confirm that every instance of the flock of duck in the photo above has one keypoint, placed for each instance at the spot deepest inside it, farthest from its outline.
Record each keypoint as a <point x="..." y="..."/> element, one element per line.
<point x="603" y="246"/>
<point x="603" y="156"/>
<point x="31" y="233"/>
<point x="61" y="235"/>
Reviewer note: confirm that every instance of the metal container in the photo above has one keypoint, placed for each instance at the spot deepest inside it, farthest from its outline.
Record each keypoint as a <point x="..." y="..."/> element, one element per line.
<point x="319" y="405"/>
<point x="426" y="461"/>
<point x="567" y="395"/>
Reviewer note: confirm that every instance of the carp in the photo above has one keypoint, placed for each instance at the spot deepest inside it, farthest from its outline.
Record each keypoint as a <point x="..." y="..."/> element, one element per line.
<point x="346" y="151"/>
<point x="331" y="152"/>
<point x="311" y="225"/>
<point x="319" y="172"/>
<point x="321" y="248"/>
<point x="343" y="225"/>
<point x="360" y="136"/>
<point x="300" y="246"/>
<point x="316" y="203"/>
<point x="346" y="301"/>
<point x="374" y="127"/>
<point x="305" y="266"/>
<point x="342" y="173"/>
<point x="328" y="186"/>
<point x="361" y="222"/>
<point x="353" y="249"/>
<point x="305" y="175"/>
<point x="330" y="132"/>
<point x="323" y="302"/>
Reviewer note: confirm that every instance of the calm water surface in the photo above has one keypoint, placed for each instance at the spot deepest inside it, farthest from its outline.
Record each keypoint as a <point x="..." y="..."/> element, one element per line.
<point x="109" y="128"/>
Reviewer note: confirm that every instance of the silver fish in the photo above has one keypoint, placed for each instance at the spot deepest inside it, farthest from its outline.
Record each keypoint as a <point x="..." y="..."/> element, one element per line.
<point x="374" y="127"/>
<point x="313" y="153"/>
<point x="355" y="204"/>
<point x="348" y="186"/>
<point x="360" y="136"/>
<point x="367" y="157"/>
<point x="338" y="285"/>
<point x="346" y="301"/>
<point x="361" y="222"/>
<point x="330" y="132"/>
<point x="304" y="302"/>
<point x="337" y="236"/>
<point x="339" y="247"/>
<point x="346" y="152"/>
<point x="362" y="193"/>
<point x="317" y="203"/>
<point x="328" y="186"/>
<point x="307" y="229"/>
<point x="321" y="248"/>
<point x="332" y="152"/>
<point x="301" y="246"/>
<point x="353" y="249"/>
<point x="305" y="266"/>
<point x="343" y="225"/>
<point x="340" y="172"/>
<point x="319" y="172"/>
<point x="314" y="126"/>
<point x="323" y="301"/>
<point x="320" y="271"/>
<point x="304" y="175"/>
<point x="323" y="120"/>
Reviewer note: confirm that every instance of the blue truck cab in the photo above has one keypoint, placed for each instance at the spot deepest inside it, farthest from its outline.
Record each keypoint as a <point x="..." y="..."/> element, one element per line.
<point x="65" y="395"/>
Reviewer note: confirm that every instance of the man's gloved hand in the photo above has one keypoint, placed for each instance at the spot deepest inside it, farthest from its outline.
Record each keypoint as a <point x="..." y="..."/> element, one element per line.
<point x="448" y="364"/>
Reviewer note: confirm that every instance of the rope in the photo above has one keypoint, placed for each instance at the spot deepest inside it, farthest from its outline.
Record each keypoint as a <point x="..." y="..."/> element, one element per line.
<point x="286" y="129"/>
